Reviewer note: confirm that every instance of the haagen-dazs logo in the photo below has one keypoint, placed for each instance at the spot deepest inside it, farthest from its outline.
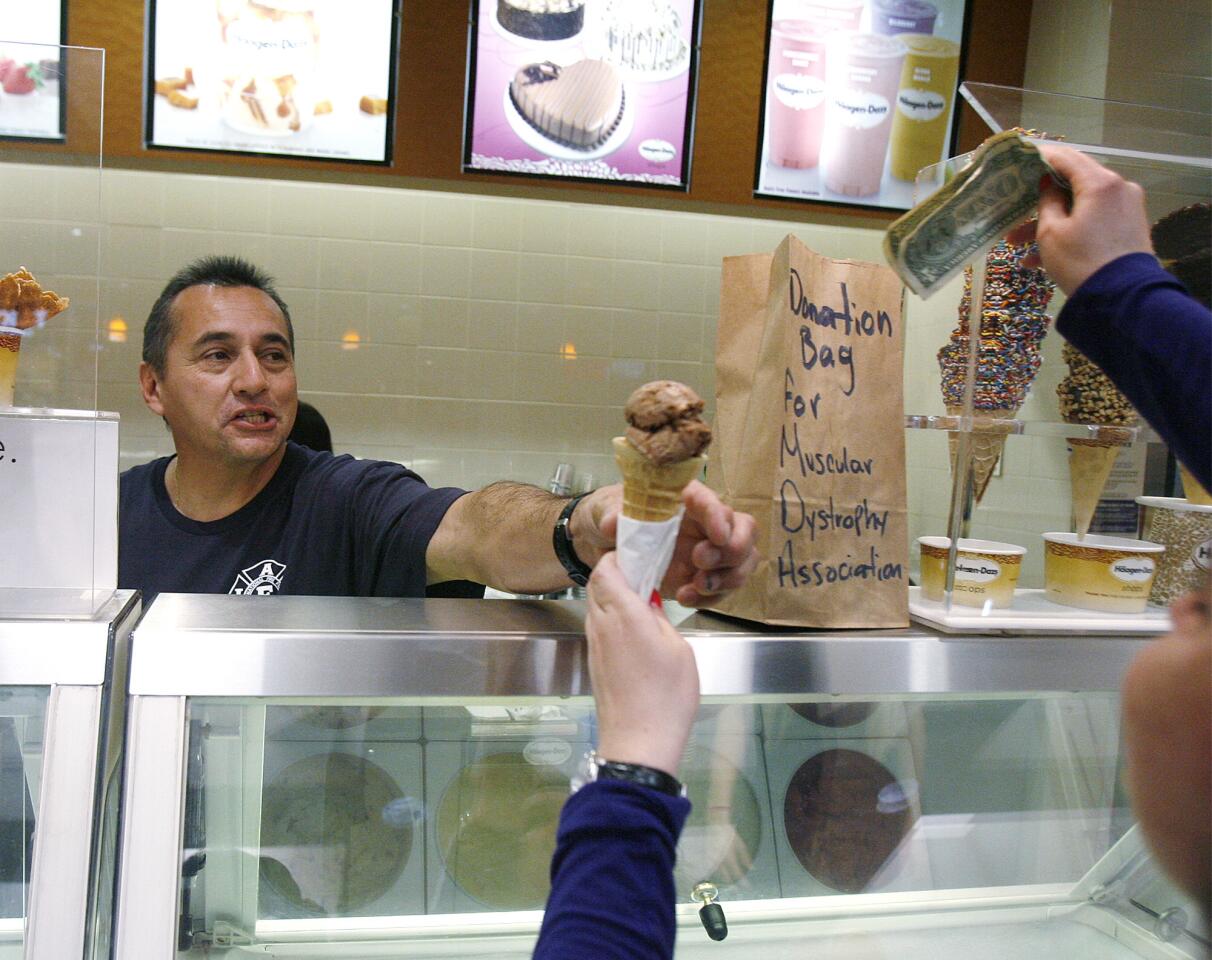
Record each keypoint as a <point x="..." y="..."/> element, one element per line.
<point x="261" y="579"/>
<point x="982" y="570"/>
<point x="657" y="151"/>
<point x="860" y="109"/>
<point x="1202" y="555"/>
<point x="799" y="91"/>
<point x="921" y="105"/>
<point x="1132" y="569"/>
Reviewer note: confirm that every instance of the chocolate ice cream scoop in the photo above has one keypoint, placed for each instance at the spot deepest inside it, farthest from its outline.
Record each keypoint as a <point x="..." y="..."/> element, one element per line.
<point x="665" y="422"/>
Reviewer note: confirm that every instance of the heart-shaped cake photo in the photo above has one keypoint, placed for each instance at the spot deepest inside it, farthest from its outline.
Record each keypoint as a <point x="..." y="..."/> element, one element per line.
<point x="578" y="106"/>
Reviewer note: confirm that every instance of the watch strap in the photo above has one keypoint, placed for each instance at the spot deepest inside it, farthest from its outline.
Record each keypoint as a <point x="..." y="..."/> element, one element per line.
<point x="561" y="540"/>
<point x="644" y="776"/>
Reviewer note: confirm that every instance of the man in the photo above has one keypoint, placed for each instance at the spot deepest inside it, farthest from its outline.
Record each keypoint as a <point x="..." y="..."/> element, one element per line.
<point x="239" y="510"/>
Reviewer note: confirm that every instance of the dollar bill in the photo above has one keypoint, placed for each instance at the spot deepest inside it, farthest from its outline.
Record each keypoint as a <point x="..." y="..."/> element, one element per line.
<point x="953" y="226"/>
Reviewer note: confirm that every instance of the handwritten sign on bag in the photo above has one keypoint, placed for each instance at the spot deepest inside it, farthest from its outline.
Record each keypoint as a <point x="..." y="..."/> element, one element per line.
<point x="814" y="426"/>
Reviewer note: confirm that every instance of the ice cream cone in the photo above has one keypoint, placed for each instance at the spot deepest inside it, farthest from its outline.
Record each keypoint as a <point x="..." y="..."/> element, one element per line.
<point x="1090" y="463"/>
<point x="987" y="441"/>
<point x="24" y="305"/>
<point x="651" y="491"/>
<point x="1192" y="489"/>
<point x="10" y="347"/>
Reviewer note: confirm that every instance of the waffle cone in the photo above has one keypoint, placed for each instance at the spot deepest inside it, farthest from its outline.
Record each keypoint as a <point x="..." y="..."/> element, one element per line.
<point x="10" y="347"/>
<point x="986" y="445"/>
<point x="652" y="491"/>
<point x="1090" y="463"/>
<point x="1192" y="489"/>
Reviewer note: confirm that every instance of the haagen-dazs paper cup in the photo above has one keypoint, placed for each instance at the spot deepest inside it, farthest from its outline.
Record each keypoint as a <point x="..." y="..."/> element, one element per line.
<point x="1185" y="530"/>
<point x="985" y="571"/>
<point x="1112" y="574"/>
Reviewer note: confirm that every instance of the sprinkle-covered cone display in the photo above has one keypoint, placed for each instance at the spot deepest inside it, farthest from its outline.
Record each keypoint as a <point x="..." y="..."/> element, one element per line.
<point x="1087" y="396"/>
<point x="1013" y="322"/>
<point x="653" y="492"/>
<point x="1090" y="463"/>
<point x="24" y="305"/>
<point x="985" y="447"/>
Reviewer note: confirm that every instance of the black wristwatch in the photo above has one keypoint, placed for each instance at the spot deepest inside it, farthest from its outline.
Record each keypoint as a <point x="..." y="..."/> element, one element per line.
<point x="593" y="767"/>
<point x="561" y="540"/>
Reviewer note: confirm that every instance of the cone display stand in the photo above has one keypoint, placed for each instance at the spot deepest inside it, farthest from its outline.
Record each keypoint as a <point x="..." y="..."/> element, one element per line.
<point x="1058" y="472"/>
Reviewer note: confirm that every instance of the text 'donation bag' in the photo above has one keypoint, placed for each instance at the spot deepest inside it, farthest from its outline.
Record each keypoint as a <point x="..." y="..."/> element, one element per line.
<point x="810" y="437"/>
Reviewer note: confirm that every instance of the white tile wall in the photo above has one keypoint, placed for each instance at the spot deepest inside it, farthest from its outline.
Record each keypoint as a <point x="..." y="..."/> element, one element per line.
<point x="498" y="336"/>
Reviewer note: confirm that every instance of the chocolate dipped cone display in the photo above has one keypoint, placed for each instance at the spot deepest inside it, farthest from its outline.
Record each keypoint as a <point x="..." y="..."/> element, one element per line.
<point x="662" y="450"/>
<point x="1088" y="396"/>
<point x="24" y="305"/>
<point x="1013" y="324"/>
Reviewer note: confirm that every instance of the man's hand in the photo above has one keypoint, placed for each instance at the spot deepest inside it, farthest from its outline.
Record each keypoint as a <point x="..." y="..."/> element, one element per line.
<point x="714" y="551"/>
<point x="645" y="681"/>
<point x="1107" y="219"/>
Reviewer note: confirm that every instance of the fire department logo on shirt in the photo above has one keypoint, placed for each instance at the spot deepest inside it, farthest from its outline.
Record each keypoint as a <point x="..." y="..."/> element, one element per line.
<point x="261" y="579"/>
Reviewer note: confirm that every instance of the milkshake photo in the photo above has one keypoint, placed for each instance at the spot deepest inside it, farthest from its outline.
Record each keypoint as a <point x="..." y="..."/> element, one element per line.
<point x="864" y="71"/>
<point x="859" y="96"/>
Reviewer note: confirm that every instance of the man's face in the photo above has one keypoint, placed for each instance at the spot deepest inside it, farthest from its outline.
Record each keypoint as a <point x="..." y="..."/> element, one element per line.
<point x="228" y="387"/>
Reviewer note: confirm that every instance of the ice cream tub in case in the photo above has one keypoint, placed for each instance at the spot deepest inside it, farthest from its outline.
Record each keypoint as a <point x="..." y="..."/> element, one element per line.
<point x="1185" y="530"/>
<point x="1112" y="574"/>
<point x="986" y="571"/>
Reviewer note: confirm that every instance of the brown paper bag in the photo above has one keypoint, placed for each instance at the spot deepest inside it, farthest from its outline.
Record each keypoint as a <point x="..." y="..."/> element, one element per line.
<point x="810" y="437"/>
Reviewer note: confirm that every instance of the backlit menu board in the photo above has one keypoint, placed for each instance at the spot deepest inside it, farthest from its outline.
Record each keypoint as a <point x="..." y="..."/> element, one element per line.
<point x="297" y="78"/>
<point x="31" y="70"/>
<point x="583" y="89"/>
<point x="859" y="96"/>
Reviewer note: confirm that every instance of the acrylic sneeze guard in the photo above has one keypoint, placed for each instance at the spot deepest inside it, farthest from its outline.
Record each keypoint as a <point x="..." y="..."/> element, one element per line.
<point x="58" y="453"/>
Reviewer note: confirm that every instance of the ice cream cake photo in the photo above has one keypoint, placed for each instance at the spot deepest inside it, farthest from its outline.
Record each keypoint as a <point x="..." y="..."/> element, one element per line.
<point x="543" y="20"/>
<point x="577" y="111"/>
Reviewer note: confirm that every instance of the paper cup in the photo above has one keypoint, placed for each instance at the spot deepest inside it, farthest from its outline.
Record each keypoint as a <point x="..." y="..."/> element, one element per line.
<point x="1112" y="574"/>
<point x="1185" y="530"/>
<point x="985" y="571"/>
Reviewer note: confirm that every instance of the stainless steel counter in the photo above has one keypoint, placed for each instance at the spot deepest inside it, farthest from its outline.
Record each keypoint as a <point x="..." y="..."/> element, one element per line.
<point x="194" y="645"/>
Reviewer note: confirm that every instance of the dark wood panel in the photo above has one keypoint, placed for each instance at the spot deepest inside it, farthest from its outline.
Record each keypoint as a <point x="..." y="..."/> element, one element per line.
<point x="429" y="108"/>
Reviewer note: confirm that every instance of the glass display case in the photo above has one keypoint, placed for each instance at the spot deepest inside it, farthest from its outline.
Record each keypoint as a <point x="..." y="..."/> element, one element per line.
<point x="58" y="453"/>
<point x="60" y="748"/>
<point x="1035" y="473"/>
<point x="320" y="777"/>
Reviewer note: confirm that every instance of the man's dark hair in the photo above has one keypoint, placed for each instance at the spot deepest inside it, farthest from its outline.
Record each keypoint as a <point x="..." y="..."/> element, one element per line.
<point x="207" y="271"/>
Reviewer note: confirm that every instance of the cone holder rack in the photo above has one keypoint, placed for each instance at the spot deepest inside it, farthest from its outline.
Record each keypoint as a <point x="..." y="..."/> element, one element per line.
<point x="963" y="499"/>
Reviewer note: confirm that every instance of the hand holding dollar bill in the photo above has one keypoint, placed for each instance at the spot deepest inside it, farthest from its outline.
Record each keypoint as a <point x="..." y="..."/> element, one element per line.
<point x="964" y="218"/>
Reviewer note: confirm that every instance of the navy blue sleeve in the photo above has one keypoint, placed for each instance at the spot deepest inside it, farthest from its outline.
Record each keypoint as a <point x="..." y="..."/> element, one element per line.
<point x="612" y="890"/>
<point x="1154" y="340"/>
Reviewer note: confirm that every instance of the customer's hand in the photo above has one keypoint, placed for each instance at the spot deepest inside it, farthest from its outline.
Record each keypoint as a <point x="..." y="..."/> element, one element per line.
<point x="715" y="548"/>
<point x="645" y="681"/>
<point x="1105" y="221"/>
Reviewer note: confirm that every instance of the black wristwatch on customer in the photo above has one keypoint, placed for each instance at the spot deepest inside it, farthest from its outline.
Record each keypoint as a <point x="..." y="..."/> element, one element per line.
<point x="561" y="540"/>
<point x="594" y="767"/>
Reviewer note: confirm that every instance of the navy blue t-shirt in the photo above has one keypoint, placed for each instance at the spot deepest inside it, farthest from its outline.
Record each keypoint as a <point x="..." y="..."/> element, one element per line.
<point x="323" y="526"/>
